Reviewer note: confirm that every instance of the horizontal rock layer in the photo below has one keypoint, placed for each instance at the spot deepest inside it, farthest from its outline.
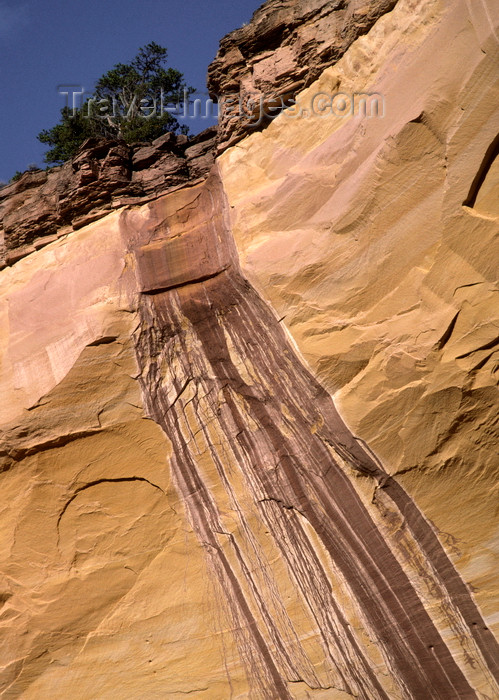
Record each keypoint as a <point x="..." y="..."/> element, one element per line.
<point x="103" y="176"/>
<point x="284" y="48"/>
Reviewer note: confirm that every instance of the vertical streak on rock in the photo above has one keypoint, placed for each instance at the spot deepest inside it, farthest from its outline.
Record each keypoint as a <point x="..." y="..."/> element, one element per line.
<point x="258" y="443"/>
<point x="205" y="520"/>
<point x="453" y="583"/>
<point x="339" y="642"/>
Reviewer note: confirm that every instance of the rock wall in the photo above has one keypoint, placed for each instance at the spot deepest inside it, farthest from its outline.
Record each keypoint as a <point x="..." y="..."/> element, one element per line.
<point x="186" y="512"/>
<point x="103" y="176"/>
<point x="286" y="46"/>
<point x="361" y="234"/>
<point x="103" y="588"/>
<point x="267" y="471"/>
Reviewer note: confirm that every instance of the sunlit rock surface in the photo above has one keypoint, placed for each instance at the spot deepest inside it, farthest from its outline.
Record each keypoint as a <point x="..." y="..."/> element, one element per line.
<point x="103" y="176"/>
<point x="284" y="48"/>
<point x="184" y="510"/>
<point x="362" y="235"/>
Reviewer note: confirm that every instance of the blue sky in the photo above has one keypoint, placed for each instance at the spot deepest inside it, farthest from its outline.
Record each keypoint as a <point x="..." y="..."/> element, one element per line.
<point x="47" y="43"/>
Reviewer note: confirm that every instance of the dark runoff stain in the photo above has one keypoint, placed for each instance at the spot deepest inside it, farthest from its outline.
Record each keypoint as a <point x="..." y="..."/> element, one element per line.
<point x="197" y="347"/>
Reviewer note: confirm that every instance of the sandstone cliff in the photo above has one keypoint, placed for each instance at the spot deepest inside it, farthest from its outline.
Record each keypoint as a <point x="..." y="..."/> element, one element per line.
<point x="285" y="47"/>
<point x="44" y="205"/>
<point x="249" y="417"/>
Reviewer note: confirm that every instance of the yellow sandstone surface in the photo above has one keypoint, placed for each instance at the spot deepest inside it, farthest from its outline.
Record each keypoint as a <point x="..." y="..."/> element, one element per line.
<point x="355" y="231"/>
<point x="101" y="580"/>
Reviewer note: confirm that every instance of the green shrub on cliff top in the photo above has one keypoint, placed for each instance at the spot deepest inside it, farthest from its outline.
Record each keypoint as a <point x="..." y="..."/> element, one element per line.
<point x="129" y="102"/>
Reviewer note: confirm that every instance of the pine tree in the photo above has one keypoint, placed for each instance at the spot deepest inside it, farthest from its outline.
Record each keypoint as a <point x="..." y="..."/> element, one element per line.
<point x="129" y="102"/>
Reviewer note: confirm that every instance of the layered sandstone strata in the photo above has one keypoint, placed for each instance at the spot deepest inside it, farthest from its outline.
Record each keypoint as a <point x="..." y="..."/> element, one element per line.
<point x="288" y="43"/>
<point x="185" y="510"/>
<point x="269" y="473"/>
<point x="102" y="177"/>
<point x="377" y="241"/>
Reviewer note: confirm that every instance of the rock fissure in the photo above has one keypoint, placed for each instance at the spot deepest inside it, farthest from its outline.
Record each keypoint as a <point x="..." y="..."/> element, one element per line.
<point x="196" y="280"/>
<point x="97" y="482"/>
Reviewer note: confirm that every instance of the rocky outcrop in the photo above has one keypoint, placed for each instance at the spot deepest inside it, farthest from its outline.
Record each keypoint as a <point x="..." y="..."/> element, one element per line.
<point x="261" y="67"/>
<point x="186" y="509"/>
<point x="102" y="177"/>
<point x="361" y="229"/>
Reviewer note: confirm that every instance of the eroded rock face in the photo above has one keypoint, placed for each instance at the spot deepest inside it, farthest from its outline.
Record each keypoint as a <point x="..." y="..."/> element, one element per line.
<point x="102" y="177"/>
<point x="185" y="508"/>
<point x="96" y="559"/>
<point x="266" y="468"/>
<point x="358" y="232"/>
<point x="284" y="48"/>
